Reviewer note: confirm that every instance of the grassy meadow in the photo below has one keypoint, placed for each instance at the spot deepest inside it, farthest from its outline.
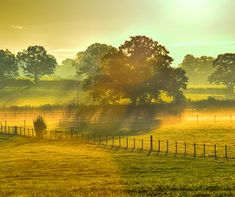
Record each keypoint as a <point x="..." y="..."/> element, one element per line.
<point x="42" y="168"/>
<point x="54" y="92"/>
<point x="31" y="167"/>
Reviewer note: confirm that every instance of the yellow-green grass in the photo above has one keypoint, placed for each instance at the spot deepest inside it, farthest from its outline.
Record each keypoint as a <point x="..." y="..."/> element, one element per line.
<point x="31" y="168"/>
<point x="206" y="86"/>
<point x="42" y="168"/>
<point x="46" y="92"/>
<point x="199" y="97"/>
<point x="56" y="92"/>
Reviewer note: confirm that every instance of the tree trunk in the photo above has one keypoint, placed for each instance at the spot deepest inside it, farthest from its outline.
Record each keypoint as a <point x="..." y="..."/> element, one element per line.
<point x="36" y="78"/>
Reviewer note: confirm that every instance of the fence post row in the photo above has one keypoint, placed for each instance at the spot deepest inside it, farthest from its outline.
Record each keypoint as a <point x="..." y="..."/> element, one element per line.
<point x="14" y="130"/>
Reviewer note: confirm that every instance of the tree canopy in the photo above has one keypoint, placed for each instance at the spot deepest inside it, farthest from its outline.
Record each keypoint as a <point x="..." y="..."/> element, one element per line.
<point x="8" y="66"/>
<point x="88" y="62"/>
<point x="224" y="73"/>
<point x="138" y="71"/>
<point x="36" y="62"/>
<point x="67" y="69"/>
<point x="198" y="69"/>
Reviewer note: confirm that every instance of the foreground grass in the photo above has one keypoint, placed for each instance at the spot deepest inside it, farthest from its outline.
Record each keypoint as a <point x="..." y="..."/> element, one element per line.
<point x="32" y="168"/>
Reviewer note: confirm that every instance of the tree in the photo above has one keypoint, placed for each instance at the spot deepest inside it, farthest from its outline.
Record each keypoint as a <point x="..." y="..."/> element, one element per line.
<point x="139" y="71"/>
<point x="8" y="66"/>
<point x="88" y="62"/>
<point x="224" y="73"/>
<point x="67" y="69"/>
<point x="39" y="126"/>
<point x="198" y="69"/>
<point x="36" y="62"/>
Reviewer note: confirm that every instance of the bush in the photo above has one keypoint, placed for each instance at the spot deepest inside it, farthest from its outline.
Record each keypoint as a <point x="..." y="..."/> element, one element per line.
<point x="39" y="126"/>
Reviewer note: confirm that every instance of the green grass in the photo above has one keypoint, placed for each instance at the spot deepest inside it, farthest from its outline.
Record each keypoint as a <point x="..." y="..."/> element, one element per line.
<point x="52" y="92"/>
<point x="40" y="168"/>
<point x="46" y="92"/>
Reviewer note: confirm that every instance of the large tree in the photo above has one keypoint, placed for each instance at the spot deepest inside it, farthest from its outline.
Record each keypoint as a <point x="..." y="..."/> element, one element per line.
<point x="198" y="69"/>
<point x="36" y="62"/>
<point x="89" y="61"/>
<point x="224" y="73"/>
<point x="8" y="66"/>
<point x="67" y="69"/>
<point x="139" y="71"/>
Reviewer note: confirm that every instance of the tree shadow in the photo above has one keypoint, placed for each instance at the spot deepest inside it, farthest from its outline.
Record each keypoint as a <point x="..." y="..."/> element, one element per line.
<point x="124" y="120"/>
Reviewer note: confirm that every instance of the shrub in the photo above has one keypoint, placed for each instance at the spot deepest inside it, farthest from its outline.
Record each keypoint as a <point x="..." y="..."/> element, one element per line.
<point x="39" y="126"/>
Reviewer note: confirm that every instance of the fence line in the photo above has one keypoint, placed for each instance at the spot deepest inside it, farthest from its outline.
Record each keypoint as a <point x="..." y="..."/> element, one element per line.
<point x="151" y="145"/>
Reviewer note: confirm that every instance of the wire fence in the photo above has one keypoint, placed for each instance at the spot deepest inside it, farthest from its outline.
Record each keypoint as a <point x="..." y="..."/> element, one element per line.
<point x="149" y="145"/>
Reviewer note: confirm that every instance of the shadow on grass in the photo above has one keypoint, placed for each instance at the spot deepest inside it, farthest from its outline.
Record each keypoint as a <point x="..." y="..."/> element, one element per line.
<point x="124" y="120"/>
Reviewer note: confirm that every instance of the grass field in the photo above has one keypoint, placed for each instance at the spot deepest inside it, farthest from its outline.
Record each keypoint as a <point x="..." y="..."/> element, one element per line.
<point x="40" y="168"/>
<point x="46" y="92"/>
<point x="44" y="168"/>
<point x="65" y="91"/>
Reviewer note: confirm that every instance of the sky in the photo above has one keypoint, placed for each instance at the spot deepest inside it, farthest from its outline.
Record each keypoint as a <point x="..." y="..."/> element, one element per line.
<point x="65" y="27"/>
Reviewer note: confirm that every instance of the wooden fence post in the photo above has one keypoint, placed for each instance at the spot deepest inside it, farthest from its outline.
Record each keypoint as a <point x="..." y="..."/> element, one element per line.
<point x="151" y="144"/>
<point x="176" y="148"/>
<point x="167" y="147"/>
<point x="119" y="139"/>
<point x="194" y="151"/>
<point x="185" y="149"/>
<point x="226" y="152"/>
<point x="159" y="146"/>
<point x="142" y="144"/>
<point x="16" y="130"/>
<point x="215" y="153"/>
<point x="113" y="140"/>
<point x="204" y="151"/>
<point x="134" y="143"/>
<point x="100" y="140"/>
<point x="127" y="143"/>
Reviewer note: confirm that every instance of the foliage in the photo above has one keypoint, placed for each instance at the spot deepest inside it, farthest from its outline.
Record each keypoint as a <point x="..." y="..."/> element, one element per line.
<point x="88" y="62"/>
<point x="36" y="62"/>
<point x="198" y="69"/>
<point x="8" y="66"/>
<point x="39" y="126"/>
<point x="138" y="71"/>
<point x="67" y="69"/>
<point x="224" y="73"/>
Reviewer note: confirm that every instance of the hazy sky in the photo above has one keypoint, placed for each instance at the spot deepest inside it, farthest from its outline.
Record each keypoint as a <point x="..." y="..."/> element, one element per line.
<point x="64" y="27"/>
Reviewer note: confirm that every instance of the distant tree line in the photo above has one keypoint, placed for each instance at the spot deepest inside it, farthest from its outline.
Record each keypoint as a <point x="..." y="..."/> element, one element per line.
<point x="34" y="61"/>
<point x="220" y="70"/>
<point x="139" y="71"/>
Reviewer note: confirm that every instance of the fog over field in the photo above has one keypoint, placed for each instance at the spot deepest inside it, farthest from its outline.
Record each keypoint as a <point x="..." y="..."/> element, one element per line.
<point x="117" y="98"/>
